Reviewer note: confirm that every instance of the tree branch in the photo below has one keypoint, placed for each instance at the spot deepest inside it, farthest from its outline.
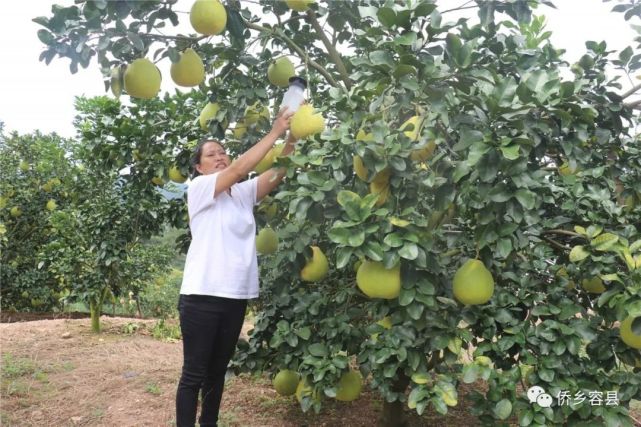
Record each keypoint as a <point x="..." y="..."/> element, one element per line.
<point x="631" y="91"/>
<point x="555" y="243"/>
<point x="296" y="48"/>
<point x="559" y="231"/>
<point x="331" y="50"/>
<point x="163" y="37"/>
<point x="634" y="104"/>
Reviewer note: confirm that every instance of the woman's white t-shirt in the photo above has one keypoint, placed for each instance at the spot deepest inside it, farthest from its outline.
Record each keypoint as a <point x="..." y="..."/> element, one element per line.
<point x="221" y="260"/>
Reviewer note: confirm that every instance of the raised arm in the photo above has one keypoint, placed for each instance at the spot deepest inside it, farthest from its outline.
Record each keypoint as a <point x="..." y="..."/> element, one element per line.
<point x="250" y="158"/>
<point x="270" y="179"/>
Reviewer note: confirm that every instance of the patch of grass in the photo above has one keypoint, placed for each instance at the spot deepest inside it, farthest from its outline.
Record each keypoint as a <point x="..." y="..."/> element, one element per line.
<point x="269" y="402"/>
<point x="152" y="388"/>
<point x="16" y="388"/>
<point x="13" y="367"/>
<point x="166" y="331"/>
<point x="131" y="327"/>
<point x="67" y="366"/>
<point x="228" y="419"/>
<point x="41" y="376"/>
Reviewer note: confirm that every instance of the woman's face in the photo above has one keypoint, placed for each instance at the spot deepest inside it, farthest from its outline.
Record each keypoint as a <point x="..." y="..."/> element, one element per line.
<point x="212" y="159"/>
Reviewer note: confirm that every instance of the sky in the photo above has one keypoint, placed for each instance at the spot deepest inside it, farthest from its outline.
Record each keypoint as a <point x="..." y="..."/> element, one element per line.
<point x="36" y="96"/>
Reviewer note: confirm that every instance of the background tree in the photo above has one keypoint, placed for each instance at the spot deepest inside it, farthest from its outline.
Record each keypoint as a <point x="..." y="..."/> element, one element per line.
<point x="479" y="141"/>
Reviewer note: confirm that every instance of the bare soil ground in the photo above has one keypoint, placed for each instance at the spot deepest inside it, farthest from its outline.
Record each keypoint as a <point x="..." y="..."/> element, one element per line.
<point x="58" y="373"/>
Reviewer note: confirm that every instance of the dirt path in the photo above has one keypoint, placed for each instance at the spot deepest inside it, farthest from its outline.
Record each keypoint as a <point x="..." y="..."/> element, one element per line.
<point x="58" y="373"/>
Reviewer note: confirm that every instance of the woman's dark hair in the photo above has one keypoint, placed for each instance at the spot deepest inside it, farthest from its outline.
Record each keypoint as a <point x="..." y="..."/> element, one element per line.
<point x="198" y="152"/>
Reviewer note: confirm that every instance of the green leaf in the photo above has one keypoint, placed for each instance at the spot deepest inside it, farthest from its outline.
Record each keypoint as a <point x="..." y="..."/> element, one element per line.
<point x="470" y="373"/>
<point x="304" y="333"/>
<point x="318" y="350"/>
<point x="527" y="198"/>
<point x="511" y="152"/>
<point x="635" y="246"/>
<point x="351" y="203"/>
<point x="447" y="392"/>
<point x="406" y="39"/>
<point x="343" y="255"/>
<point x="235" y="24"/>
<point x="594" y="230"/>
<point x="625" y="55"/>
<point x="381" y="57"/>
<point x="46" y="37"/>
<point x="503" y="409"/>
<point x="409" y="251"/>
<point x="578" y="253"/>
<point x="356" y="239"/>
<point x="406" y="297"/>
<point x="136" y="41"/>
<point x="386" y="16"/>
<point x="604" y="241"/>
<point x="504" y="247"/>
<point x="580" y="230"/>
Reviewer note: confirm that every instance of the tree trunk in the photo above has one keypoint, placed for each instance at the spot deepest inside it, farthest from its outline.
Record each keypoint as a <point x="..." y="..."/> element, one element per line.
<point x="94" y="308"/>
<point x="393" y="415"/>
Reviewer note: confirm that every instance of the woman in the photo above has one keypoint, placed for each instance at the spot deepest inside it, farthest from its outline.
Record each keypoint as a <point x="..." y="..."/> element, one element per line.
<point x="221" y="271"/>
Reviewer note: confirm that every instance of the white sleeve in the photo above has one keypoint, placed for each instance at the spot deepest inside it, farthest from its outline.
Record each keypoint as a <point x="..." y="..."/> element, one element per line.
<point x="200" y="194"/>
<point x="248" y="190"/>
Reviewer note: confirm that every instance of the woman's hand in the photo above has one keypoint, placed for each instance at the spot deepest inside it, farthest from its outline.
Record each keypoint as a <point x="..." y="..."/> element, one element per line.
<point x="281" y="124"/>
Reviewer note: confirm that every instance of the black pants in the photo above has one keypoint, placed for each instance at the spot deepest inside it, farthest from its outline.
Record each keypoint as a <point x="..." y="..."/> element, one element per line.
<point x="210" y="328"/>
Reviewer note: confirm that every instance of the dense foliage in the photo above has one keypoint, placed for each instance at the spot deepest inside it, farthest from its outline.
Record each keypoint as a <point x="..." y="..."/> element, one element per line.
<point x="536" y="172"/>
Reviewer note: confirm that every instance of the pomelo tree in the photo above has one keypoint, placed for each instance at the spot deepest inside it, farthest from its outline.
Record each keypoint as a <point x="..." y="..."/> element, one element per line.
<point x="471" y="210"/>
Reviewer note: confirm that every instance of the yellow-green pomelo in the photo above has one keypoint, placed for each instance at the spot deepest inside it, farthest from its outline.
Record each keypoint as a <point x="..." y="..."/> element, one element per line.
<point x="280" y="71"/>
<point x="349" y="386"/>
<point x="15" y="211"/>
<point x="176" y="176"/>
<point x="51" y="205"/>
<point x="564" y="273"/>
<point x="593" y="285"/>
<point x="158" y="181"/>
<point x="207" y="113"/>
<point x="269" y="159"/>
<point x="473" y="283"/>
<point x="240" y="129"/>
<point x="189" y="70"/>
<point x="376" y="281"/>
<point x="627" y="334"/>
<point x="424" y="153"/>
<point x="316" y="268"/>
<point x="285" y="382"/>
<point x="255" y="112"/>
<point x="565" y="169"/>
<point x="303" y="389"/>
<point x="266" y="241"/>
<point x="299" y="5"/>
<point x="305" y="123"/>
<point x="380" y="186"/>
<point x="359" y="168"/>
<point x="142" y="79"/>
<point x="24" y="165"/>
<point x="3" y="202"/>
<point x="268" y="207"/>
<point x="208" y="17"/>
